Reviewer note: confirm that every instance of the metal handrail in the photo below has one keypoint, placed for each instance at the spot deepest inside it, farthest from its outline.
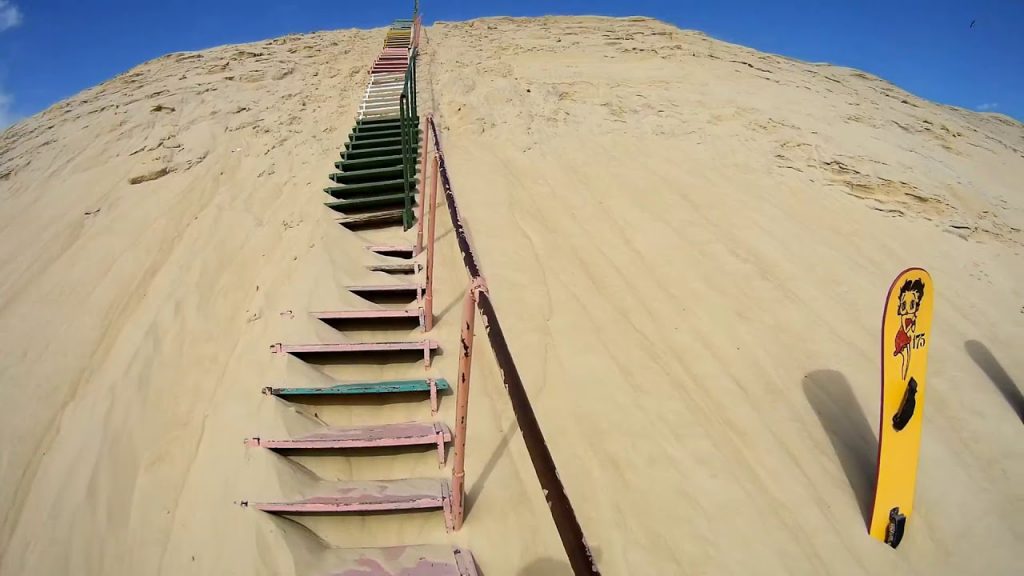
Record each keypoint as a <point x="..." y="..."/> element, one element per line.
<point x="409" y="121"/>
<point x="581" y="560"/>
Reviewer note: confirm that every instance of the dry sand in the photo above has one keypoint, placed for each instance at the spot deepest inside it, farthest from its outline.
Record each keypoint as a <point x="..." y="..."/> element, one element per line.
<point x="688" y="243"/>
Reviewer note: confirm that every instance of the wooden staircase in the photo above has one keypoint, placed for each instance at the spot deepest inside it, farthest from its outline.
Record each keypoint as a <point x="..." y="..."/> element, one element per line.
<point x="376" y="185"/>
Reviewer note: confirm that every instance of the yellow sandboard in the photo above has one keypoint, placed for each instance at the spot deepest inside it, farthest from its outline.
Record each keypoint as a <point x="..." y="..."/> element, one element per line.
<point x="906" y="333"/>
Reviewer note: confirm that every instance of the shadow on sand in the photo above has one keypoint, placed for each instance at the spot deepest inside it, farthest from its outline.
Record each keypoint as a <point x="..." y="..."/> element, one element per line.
<point x="843" y="419"/>
<point x="546" y="567"/>
<point x="983" y="357"/>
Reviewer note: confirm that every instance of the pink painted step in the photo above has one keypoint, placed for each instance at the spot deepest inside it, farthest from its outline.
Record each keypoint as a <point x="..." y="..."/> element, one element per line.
<point x="393" y="251"/>
<point x="400" y="268"/>
<point x="388" y="291"/>
<point x="401" y="434"/>
<point x="427" y="346"/>
<point x="370" y="496"/>
<point x="407" y="561"/>
<point x="343" y="316"/>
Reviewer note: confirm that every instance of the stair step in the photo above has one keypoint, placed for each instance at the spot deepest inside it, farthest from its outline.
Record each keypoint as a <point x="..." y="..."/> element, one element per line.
<point x="372" y="140"/>
<point x="369" y="175"/>
<point x="375" y="152"/>
<point x="370" y="122"/>
<point x="372" y="496"/>
<point x="378" y="101"/>
<point x="378" y="115"/>
<point x="379" y="126"/>
<point x="403" y="268"/>
<point x="429" y="385"/>
<point x="312" y="350"/>
<point x="345" y="318"/>
<point x="372" y="220"/>
<point x="363" y="163"/>
<point x="349" y="437"/>
<point x="389" y="293"/>
<point x="375" y="89"/>
<point x="353" y="191"/>
<point x="392" y="251"/>
<point x="393" y="134"/>
<point x="412" y="289"/>
<point x="383" y="108"/>
<point x="367" y="202"/>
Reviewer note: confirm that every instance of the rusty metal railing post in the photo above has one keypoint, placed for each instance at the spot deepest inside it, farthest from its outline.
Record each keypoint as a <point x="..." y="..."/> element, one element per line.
<point x="462" y="400"/>
<point x="423" y="191"/>
<point x="428" y="298"/>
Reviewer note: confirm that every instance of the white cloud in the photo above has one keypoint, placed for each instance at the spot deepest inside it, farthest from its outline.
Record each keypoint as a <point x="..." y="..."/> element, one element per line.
<point x="10" y="15"/>
<point x="987" y="106"/>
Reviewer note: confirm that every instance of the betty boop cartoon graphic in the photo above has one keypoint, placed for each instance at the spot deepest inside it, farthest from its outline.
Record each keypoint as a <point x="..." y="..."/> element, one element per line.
<point x="911" y="294"/>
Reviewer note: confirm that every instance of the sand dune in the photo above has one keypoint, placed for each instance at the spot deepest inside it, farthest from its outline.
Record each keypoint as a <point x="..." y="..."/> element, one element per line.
<point x="688" y="243"/>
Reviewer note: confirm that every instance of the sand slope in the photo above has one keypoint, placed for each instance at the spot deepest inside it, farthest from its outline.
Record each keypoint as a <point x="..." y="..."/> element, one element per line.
<point x="688" y="243"/>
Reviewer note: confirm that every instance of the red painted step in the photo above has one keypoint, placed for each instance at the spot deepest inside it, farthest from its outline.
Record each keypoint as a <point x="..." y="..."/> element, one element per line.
<point x="374" y="496"/>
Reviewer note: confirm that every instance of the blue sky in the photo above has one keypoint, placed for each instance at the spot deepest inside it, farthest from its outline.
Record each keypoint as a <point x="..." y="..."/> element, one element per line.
<point x="51" y="49"/>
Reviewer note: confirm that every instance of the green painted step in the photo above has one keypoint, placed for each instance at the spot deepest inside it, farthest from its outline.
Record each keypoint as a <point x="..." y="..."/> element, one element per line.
<point x="378" y="127"/>
<point x="370" y="188"/>
<point x="370" y="175"/>
<point x="376" y="152"/>
<point x="359" y="388"/>
<point x="377" y="121"/>
<point x="392" y="133"/>
<point x="380" y="122"/>
<point x="374" y="143"/>
<point x="363" y="163"/>
<point x="368" y="202"/>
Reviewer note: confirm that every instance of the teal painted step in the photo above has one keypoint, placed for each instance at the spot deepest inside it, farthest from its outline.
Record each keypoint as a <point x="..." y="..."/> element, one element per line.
<point x="371" y="175"/>
<point x="384" y="387"/>
<point x="370" y="188"/>
<point x="368" y="202"/>
<point x="376" y="152"/>
<point x="364" y="163"/>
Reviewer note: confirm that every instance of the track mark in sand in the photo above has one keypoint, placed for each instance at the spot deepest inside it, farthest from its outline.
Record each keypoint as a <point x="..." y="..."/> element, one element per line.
<point x="149" y="176"/>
